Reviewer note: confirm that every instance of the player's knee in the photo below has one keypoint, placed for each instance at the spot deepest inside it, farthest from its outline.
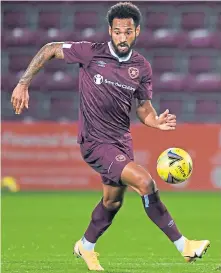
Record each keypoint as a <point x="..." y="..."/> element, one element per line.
<point x="113" y="204"/>
<point x="145" y="185"/>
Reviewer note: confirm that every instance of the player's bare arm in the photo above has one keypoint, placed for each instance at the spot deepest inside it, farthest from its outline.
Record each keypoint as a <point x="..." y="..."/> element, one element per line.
<point x="20" y="96"/>
<point x="148" y="116"/>
<point x="46" y="53"/>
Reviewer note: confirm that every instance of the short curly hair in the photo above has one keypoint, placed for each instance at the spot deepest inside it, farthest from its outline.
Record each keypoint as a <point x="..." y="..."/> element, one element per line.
<point x="123" y="10"/>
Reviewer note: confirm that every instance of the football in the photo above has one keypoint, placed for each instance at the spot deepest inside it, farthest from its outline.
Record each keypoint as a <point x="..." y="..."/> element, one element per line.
<point x="174" y="165"/>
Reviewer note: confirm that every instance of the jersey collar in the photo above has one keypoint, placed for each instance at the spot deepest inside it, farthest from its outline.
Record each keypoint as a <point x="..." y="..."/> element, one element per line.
<point x="122" y="59"/>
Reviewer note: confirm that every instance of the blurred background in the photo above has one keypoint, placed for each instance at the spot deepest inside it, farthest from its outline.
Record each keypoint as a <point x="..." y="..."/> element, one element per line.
<point x="40" y="157"/>
<point x="181" y="40"/>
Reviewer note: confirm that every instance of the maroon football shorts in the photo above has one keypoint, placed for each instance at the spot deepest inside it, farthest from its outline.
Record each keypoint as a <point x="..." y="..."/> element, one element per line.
<point x="107" y="159"/>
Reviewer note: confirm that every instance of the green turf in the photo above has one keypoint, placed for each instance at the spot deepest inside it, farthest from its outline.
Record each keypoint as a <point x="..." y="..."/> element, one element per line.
<point x="38" y="230"/>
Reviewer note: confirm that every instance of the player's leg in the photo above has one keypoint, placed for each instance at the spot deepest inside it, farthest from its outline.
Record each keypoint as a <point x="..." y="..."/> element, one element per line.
<point x="141" y="181"/>
<point x="103" y="214"/>
<point x="101" y="219"/>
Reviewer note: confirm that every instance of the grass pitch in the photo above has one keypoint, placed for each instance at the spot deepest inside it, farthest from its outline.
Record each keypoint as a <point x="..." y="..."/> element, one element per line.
<point x="39" y="229"/>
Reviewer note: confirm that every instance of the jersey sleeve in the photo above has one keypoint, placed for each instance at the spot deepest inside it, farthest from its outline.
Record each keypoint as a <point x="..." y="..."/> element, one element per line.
<point x="78" y="52"/>
<point x="145" y="89"/>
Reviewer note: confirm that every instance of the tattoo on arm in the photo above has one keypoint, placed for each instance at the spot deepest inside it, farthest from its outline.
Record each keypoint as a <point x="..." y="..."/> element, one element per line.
<point x="146" y="113"/>
<point x="140" y="102"/>
<point x="47" y="52"/>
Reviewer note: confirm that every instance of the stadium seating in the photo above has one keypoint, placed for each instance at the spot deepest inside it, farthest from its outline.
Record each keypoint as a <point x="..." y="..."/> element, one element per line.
<point x="207" y="82"/>
<point x="207" y="107"/>
<point x="47" y="20"/>
<point x="55" y="65"/>
<point x="219" y="21"/>
<point x="182" y="42"/>
<point x="10" y="80"/>
<point x="20" y="37"/>
<point x="162" y="64"/>
<point x="192" y="20"/>
<point x="53" y="34"/>
<point x="203" y="38"/>
<point x="175" y="106"/>
<point x="18" y="62"/>
<point x="5" y="83"/>
<point x="155" y="20"/>
<point x="84" y="19"/>
<point x="13" y="19"/>
<point x="144" y="40"/>
<point x="168" y="38"/>
<point x="173" y="82"/>
<point x="200" y="64"/>
<point x="60" y="81"/>
<point x="61" y="109"/>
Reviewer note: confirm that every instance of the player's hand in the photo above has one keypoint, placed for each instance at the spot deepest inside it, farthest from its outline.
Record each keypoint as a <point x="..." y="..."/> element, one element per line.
<point x="167" y="121"/>
<point x="20" y="98"/>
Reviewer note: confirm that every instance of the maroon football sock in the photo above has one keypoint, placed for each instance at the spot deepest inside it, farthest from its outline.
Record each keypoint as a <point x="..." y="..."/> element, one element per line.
<point x="101" y="219"/>
<point x="158" y="213"/>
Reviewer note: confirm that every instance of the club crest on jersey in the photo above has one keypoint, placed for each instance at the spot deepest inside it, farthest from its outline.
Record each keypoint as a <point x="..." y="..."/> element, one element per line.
<point x="133" y="72"/>
<point x="120" y="158"/>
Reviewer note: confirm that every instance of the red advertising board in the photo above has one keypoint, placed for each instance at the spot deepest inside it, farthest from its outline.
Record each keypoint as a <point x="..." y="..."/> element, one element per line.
<point x="46" y="156"/>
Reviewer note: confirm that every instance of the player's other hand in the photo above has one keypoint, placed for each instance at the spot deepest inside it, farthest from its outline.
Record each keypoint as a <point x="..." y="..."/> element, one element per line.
<point x="20" y="98"/>
<point x="167" y="121"/>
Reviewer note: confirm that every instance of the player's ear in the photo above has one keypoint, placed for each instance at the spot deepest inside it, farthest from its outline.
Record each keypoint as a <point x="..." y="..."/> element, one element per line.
<point x="137" y="30"/>
<point x="110" y="30"/>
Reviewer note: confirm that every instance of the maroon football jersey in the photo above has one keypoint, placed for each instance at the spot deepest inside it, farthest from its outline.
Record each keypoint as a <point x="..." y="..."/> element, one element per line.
<point x="107" y="86"/>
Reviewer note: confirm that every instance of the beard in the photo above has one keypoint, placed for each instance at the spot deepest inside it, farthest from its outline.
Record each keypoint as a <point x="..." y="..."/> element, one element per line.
<point x="126" y="49"/>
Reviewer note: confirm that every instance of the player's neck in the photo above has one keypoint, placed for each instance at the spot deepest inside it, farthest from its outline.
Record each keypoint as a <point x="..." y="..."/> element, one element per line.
<point x="113" y="53"/>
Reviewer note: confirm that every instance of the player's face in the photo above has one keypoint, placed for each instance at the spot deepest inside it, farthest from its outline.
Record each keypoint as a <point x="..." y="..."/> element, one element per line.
<point x="123" y="34"/>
